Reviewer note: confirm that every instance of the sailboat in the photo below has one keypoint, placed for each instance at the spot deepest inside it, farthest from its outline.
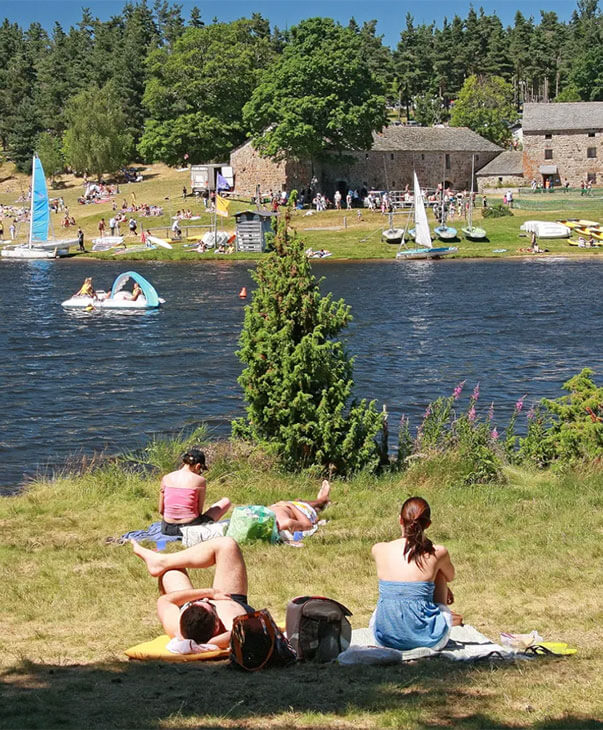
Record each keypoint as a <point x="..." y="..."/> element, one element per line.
<point x="391" y="234"/>
<point x="444" y="232"/>
<point x="425" y="248"/>
<point x="470" y="231"/>
<point x="39" y="246"/>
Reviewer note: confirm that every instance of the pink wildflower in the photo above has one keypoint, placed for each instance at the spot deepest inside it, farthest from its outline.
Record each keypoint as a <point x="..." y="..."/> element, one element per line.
<point x="472" y="414"/>
<point x="519" y="404"/>
<point x="475" y="395"/>
<point x="456" y="393"/>
<point x="427" y="412"/>
<point x="491" y="412"/>
<point x="531" y="413"/>
<point x="494" y="434"/>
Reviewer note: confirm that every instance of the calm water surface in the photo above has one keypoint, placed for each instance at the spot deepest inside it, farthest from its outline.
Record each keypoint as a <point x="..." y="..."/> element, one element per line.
<point x="72" y="383"/>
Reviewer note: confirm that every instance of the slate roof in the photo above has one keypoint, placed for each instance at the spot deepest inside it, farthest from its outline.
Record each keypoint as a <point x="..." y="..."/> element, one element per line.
<point x="565" y="117"/>
<point x="507" y="163"/>
<point x="431" y="139"/>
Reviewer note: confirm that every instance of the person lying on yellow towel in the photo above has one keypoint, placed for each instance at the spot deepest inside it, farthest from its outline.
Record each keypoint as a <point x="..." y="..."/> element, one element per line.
<point x="199" y="616"/>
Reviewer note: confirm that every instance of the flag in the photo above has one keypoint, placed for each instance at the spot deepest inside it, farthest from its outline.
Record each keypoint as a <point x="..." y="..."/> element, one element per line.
<point x="222" y="206"/>
<point x="222" y="183"/>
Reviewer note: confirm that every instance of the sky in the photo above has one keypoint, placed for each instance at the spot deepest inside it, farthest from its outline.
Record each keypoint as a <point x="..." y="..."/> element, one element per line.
<point x="390" y="14"/>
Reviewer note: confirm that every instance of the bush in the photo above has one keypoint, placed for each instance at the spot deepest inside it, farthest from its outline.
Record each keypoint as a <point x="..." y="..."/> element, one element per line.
<point x="298" y="379"/>
<point x="498" y="210"/>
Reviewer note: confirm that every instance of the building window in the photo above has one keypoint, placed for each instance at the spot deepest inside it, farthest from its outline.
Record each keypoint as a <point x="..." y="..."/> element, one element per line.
<point x="422" y="156"/>
<point x="391" y="157"/>
<point x="366" y="156"/>
<point x="548" y="154"/>
<point x="591" y="177"/>
<point x="591" y="152"/>
<point x="393" y="183"/>
<point x="591" y="134"/>
<point x="548" y="136"/>
<point x="448" y="162"/>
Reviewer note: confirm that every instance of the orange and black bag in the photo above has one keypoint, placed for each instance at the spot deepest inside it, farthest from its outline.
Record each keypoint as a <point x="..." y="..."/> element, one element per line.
<point x="256" y="642"/>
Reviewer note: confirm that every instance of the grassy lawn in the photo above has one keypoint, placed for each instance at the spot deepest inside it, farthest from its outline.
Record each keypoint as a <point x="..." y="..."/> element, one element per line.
<point x="342" y="232"/>
<point x="527" y="551"/>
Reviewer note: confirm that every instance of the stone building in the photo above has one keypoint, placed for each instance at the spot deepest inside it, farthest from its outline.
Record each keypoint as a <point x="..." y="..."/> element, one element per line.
<point x="505" y="170"/>
<point x="436" y="153"/>
<point x="563" y="142"/>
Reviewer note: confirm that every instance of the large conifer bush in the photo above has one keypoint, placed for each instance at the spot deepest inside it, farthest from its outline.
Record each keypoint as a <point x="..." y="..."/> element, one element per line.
<point x="298" y="378"/>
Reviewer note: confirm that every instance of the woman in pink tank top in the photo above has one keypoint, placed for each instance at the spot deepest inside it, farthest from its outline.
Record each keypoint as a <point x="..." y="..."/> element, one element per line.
<point x="182" y="496"/>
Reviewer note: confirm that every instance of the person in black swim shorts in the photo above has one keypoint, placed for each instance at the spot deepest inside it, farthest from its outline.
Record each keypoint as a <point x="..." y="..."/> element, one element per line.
<point x="204" y="615"/>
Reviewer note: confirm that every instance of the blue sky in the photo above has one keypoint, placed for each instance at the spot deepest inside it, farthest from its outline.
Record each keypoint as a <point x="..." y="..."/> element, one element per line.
<point x="284" y="13"/>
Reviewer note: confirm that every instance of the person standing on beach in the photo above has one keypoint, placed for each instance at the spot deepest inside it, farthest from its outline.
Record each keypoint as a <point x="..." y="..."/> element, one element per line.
<point x="80" y="239"/>
<point x="101" y="228"/>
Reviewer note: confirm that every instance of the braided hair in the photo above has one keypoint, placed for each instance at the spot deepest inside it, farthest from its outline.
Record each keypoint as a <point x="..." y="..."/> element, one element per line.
<point x="416" y="516"/>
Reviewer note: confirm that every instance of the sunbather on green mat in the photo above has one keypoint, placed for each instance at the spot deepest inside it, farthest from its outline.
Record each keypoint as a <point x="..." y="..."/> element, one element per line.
<point x="204" y="615"/>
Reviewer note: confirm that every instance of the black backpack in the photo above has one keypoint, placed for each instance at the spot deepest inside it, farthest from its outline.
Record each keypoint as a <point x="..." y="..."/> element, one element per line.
<point x="317" y="628"/>
<point x="256" y="642"/>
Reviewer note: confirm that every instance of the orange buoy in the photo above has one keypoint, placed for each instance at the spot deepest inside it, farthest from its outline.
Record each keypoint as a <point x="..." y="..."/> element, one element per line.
<point x="243" y="293"/>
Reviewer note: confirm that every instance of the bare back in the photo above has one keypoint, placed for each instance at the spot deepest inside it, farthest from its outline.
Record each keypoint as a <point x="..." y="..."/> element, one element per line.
<point x="393" y="565"/>
<point x="184" y="478"/>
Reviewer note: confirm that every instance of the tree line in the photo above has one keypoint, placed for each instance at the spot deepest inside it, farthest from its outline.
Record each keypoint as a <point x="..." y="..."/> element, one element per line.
<point x="152" y="84"/>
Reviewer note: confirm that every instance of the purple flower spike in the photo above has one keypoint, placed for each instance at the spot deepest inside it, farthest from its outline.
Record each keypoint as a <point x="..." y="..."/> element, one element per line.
<point x="475" y="395"/>
<point x="519" y="404"/>
<point x="427" y="412"/>
<point x="456" y="393"/>
<point x="491" y="412"/>
<point x="531" y="413"/>
<point x="472" y="414"/>
<point x="494" y="434"/>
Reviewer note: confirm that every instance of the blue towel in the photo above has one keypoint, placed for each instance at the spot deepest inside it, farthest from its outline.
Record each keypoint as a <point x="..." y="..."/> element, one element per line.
<point x="152" y="533"/>
<point x="406" y="616"/>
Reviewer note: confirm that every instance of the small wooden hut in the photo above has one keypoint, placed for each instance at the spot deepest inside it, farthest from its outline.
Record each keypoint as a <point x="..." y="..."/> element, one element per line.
<point x="252" y="226"/>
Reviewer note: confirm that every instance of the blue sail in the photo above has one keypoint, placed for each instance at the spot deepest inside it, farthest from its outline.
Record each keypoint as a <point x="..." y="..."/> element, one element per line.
<point x="40" y="211"/>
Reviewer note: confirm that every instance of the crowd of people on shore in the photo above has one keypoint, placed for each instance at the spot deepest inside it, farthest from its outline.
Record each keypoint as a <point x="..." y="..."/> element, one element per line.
<point x="413" y="574"/>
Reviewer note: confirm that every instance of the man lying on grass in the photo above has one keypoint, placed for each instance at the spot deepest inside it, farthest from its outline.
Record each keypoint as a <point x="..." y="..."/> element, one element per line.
<point x="204" y="615"/>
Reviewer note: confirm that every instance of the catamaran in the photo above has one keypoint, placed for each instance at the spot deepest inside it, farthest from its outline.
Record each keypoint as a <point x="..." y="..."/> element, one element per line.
<point x="425" y="248"/>
<point x="39" y="246"/>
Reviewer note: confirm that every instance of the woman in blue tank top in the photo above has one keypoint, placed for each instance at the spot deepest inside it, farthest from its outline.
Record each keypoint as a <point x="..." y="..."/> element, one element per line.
<point x="412" y="610"/>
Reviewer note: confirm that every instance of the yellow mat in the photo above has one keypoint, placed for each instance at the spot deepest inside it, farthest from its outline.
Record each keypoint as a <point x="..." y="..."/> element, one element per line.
<point x="156" y="650"/>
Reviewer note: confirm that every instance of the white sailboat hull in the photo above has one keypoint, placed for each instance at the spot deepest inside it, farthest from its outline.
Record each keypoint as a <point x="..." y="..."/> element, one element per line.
<point x="25" y="252"/>
<point x="412" y="254"/>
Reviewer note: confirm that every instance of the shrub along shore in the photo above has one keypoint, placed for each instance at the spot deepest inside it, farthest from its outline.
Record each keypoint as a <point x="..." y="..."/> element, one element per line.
<point x="526" y="546"/>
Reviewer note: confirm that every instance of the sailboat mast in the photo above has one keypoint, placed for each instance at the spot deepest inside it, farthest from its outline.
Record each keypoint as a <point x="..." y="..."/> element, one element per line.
<point x="31" y="195"/>
<point x="471" y="194"/>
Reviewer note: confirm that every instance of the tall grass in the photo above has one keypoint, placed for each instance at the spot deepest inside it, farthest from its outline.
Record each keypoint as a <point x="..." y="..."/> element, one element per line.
<point x="527" y="551"/>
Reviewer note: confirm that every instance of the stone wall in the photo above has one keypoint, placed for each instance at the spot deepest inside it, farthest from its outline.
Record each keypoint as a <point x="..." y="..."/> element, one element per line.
<point x="392" y="170"/>
<point x="569" y="155"/>
<point x="500" y="181"/>
<point x="373" y="170"/>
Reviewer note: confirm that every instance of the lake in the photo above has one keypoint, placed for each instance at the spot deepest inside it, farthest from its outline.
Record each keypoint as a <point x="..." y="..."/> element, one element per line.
<point x="73" y="383"/>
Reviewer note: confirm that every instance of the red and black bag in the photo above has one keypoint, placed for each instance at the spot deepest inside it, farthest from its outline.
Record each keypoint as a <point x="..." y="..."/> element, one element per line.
<point x="318" y="628"/>
<point x="256" y="642"/>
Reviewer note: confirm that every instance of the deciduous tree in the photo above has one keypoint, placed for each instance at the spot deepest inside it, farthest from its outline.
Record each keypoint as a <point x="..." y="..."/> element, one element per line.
<point x="485" y="105"/>
<point x="318" y="96"/>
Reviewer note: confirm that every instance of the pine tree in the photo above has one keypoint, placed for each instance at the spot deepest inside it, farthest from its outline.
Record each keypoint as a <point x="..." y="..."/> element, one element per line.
<point x="298" y="379"/>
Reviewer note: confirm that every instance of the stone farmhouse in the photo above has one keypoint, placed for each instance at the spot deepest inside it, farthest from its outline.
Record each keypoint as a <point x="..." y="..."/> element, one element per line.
<point x="436" y="153"/>
<point x="505" y="170"/>
<point x="563" y="142"/>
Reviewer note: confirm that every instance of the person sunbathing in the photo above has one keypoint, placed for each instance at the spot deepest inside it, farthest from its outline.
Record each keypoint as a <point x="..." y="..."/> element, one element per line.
<point x="202" y="615"/>
<point x="300" y="515"/>
<point x="182" y="496"/>
<point x="413" y="573"/>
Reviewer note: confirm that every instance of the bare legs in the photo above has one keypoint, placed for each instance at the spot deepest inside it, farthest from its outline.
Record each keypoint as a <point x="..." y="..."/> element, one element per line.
<point x="443" y="594"/>
<point x="290" y="518"/>
<point x="230" y="575"/>
<point x="218" y="509"/>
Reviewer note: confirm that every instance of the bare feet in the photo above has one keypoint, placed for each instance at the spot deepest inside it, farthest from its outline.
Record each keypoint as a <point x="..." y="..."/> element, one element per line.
<point x="324" y="491"/>
<point x="154" y="561"/>
<point x="457" y="619"/>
